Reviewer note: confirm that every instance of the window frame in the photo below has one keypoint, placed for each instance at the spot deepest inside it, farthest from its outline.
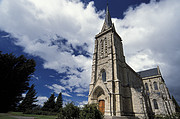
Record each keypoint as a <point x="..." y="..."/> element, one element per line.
<point x="146" y="86"/>
<point x="155" y="85"/>
<point x="103" y="75"/>
<point x="155" y="104"/>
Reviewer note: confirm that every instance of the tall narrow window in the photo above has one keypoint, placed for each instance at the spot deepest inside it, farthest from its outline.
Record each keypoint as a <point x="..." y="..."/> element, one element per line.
<point x="146" y="86"/>
<point x="155" y="104"/>
<point x="105" y="45"/>
<point x="155" y="86"/>
<point x="102" y="47"/>
<point x="104" y="75"/>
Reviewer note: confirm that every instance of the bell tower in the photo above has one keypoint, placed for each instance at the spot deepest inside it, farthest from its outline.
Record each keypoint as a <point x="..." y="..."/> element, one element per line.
<point x="107" y="70"/>
<point x="115" y="87"/>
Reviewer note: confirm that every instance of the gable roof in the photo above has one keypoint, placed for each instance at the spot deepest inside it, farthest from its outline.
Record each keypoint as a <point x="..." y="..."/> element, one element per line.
<point x="148" y="73"/>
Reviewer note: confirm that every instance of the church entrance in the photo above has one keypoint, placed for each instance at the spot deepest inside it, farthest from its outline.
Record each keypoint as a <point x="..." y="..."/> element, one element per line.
<point x="102" y="106"/>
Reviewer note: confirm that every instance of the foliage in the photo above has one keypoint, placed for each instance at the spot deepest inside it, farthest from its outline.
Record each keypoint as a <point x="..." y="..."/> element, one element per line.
<point x="59" y="103"/>
<point x="28" y="101"/>
<point x="15" y="76"/>
<point x="176" y="104"/>
<point x="70" y="111"/>
<point x="90" y="112"/>
<point x="49" y="105"/>
<point x="174" y="116"/>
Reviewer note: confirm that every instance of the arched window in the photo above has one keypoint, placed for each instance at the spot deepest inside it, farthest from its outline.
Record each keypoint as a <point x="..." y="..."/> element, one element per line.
<point x="146" y="86"/>
<point x="155" y="104"/>
<point x="104" y="75"/>
<point x="155" y="86"/>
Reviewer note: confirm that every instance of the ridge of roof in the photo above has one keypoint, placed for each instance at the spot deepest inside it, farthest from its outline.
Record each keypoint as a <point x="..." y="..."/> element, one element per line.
<point x="148" y="72"/>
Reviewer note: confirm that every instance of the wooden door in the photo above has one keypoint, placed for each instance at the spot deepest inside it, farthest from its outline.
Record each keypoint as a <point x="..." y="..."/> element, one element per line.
<point x="102" y="106"/>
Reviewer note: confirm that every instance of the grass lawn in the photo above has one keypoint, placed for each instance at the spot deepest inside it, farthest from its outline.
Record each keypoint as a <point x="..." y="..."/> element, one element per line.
<point x="8" y="115"/>
<point x="5" y="116"/>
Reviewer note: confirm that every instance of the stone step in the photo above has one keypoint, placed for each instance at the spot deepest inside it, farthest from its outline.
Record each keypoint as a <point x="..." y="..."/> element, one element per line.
<point x="117" y="117"/>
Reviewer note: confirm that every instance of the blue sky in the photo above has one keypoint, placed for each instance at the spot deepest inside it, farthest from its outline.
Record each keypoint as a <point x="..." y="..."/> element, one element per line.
<point x="59" y="35"/>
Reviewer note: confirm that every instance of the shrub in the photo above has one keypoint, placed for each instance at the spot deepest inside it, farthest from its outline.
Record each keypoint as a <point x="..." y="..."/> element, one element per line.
<point x="70" y="111"/>
<point x="90" y="112"/>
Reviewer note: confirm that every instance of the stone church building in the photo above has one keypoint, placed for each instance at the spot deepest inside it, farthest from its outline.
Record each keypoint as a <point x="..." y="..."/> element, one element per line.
<point x="117" y="89"/>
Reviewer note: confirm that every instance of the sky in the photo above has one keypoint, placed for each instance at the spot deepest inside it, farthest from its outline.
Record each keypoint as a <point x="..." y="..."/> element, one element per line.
<point x="59" y="36"/>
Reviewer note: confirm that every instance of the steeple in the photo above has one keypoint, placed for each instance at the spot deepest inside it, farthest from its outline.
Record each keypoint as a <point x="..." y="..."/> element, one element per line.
<point x="107" y="21"/>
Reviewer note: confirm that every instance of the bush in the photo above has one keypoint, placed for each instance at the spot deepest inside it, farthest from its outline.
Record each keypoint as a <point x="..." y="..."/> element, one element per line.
<point x="90" y="112"/>
<point x="70" y="111"/>
<point x="174" y="116"/>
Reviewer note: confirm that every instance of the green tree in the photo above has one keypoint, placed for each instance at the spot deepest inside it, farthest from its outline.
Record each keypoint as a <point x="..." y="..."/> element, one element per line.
<point x="70" y="111"/>
<point x="59" y="103"/>
<point x="29" y="100"/>
<point x="176" y="104"/>
<point x="15" y="76"/>
<point x="90" y="112"/>
<point x="49" y="105"/>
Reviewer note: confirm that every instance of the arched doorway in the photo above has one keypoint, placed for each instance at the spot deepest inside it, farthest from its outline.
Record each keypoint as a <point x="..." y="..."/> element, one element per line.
<point x="99" y="96"/>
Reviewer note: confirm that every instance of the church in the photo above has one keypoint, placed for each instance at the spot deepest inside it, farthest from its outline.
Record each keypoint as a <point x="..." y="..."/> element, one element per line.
<point x="117" y="89"/>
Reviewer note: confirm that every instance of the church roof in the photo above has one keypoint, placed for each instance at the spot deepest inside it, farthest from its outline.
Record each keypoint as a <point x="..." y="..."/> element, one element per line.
<point x="148" y="73"/>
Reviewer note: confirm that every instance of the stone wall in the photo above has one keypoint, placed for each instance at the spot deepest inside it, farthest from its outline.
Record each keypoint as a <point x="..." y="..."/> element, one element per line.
<point x="160" y="94"/>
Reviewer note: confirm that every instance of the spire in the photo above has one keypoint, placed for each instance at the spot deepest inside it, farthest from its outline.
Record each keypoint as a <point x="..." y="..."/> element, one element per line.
<point x="107" y="22"/>
<point x="108" y="17"/>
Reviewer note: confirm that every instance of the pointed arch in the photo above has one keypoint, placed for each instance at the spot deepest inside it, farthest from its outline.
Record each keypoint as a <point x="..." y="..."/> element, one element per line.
<point x="146" y="86"/>
<point x="155" y="104"/>
<point x="103" y="75"/>
<point x="98" y="92"/>
<point x="155" y="86"/>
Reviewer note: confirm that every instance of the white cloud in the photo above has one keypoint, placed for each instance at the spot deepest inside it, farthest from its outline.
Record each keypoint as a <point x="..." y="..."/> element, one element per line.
<point x="51" y="76"/>
<point x="150" y="34"/>
<point x="23" y="95"/>
<point x="152" y="28"/>
<point x="66" y="94"/>
<point x="36" y="24"/>
<point x="81" y="90"/>
<point x="81" y="104"/>
<point x="81" y="95"/>
<point x="41" y="100"/>
<point x="56" y="88"/>
<point x="37" y="78"/>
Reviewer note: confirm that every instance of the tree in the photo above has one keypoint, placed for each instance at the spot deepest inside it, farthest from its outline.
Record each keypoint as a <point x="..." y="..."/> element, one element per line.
<point x="176" y="104"/>
<point x="15" y="75"/>
<point x="28" y="101"/>
<point x="90" y="112"/>
<point x="59" y="103"/>
<point x="49" y="105"/>
<point x="70" y="111"/>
